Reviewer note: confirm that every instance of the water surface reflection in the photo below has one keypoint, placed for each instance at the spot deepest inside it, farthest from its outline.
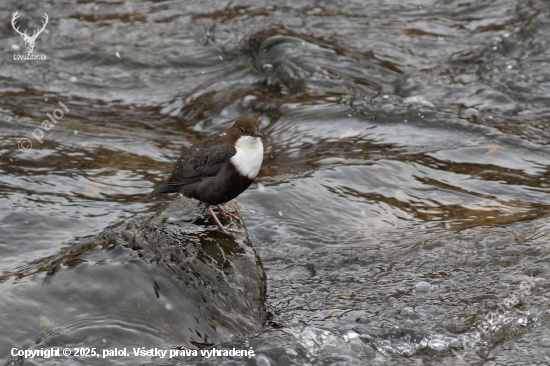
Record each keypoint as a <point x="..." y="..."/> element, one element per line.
<point x="402" y="201"/>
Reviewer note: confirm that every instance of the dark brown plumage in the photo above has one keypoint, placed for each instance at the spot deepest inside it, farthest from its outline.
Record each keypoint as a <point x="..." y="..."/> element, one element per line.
<point x="218" y="168"/>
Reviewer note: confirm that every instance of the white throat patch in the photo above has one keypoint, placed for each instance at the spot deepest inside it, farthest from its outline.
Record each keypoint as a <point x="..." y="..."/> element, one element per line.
<point x="249" y="156"/>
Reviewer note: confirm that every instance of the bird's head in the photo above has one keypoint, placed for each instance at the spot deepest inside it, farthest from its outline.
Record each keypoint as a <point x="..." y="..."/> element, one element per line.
<point x="245" y="131"/>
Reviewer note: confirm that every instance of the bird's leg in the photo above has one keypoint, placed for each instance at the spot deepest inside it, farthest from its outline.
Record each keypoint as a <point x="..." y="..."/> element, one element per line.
<point x="228" y="213"/>
<point x="222" y="228"/>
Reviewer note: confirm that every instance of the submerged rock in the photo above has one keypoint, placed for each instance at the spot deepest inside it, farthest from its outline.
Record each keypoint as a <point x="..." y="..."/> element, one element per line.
<point x="167" y="282"/>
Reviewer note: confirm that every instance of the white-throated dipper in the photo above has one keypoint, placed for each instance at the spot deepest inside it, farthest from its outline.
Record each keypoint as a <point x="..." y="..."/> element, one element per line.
<point x="218" y="168"/>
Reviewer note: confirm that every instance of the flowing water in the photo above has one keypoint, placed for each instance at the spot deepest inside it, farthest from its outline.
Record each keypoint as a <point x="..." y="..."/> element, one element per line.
<point x="401" y="209"/>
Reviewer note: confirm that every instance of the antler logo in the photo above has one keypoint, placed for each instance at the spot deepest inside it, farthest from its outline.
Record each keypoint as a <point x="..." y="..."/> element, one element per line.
<point x="29" y="40"/>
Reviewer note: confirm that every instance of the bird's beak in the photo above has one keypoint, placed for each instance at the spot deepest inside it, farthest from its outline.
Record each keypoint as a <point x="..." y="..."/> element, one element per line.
<point x="257" y="134"/>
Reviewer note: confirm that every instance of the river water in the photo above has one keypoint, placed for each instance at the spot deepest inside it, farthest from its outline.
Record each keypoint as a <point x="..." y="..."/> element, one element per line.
<point x="400" y="212"/>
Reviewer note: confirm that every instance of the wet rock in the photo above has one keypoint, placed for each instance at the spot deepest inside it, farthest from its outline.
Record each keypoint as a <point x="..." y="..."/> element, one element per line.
<point x="170" y="281"/>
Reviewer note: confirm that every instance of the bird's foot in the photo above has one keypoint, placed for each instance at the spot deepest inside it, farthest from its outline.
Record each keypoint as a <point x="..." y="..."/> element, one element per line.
<point x="224" y="229"/>
<point x="229" y="213"/>
<point x="228" y="231"/>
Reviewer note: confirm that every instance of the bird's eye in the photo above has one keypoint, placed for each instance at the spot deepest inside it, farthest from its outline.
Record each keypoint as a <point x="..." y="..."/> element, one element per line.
<point x="242" y="129"/>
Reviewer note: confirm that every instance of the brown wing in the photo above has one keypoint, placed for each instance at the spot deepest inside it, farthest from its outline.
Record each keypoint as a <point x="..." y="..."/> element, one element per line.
<point x="200" y="161"/>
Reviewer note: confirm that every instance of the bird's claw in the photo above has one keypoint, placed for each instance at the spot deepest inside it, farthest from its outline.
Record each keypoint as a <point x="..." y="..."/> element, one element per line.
<point x="224" y="229"/>
<point x="229" y="213"/>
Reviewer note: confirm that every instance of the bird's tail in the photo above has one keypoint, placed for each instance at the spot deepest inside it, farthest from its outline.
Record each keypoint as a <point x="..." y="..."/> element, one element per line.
<point x="163" y="188"/>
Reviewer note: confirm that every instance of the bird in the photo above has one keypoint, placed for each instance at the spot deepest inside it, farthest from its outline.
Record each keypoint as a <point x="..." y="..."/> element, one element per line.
<point x="218" y="168"/>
